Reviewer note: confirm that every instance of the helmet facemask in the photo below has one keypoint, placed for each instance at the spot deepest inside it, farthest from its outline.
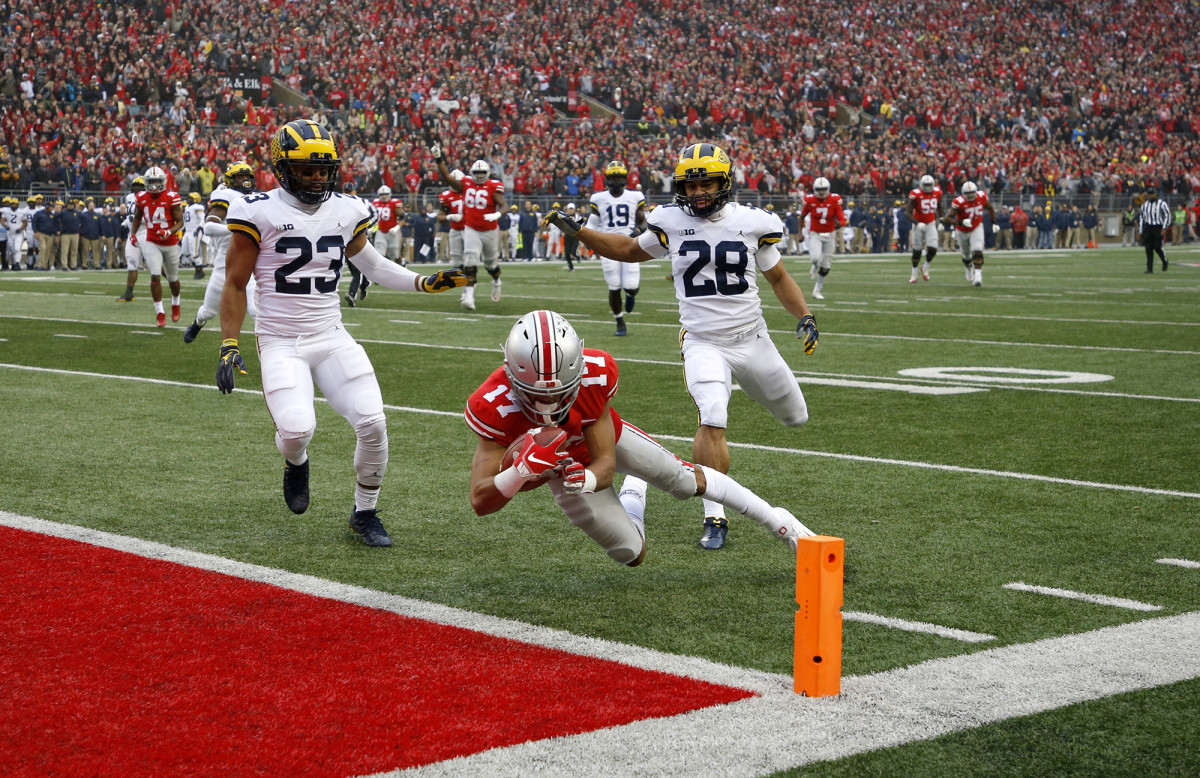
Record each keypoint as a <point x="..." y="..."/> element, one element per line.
<point x="543" y="361"/>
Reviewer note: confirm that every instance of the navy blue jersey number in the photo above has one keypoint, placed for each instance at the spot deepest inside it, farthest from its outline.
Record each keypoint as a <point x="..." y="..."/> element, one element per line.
<point x="730" y="259"/>
<point x="304" y="249"/>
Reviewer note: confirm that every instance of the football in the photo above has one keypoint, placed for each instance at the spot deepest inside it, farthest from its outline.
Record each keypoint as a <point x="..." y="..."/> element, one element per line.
<point x="543" y="436"/>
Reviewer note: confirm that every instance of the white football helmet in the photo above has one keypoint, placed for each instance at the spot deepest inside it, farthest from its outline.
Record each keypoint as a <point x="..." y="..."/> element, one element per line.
<point x="821" y="187"/>
<point x="970" y="191"/>
<point x="480" y="171"/>
<point x="927" y="184"/>
<point x="384" y="192"/>
<point x="156" y="179"/>
<point x="543" y="361"/>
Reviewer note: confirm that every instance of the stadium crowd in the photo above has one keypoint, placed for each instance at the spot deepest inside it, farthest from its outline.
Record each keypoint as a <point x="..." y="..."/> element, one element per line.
<point x="1028" y="96"/>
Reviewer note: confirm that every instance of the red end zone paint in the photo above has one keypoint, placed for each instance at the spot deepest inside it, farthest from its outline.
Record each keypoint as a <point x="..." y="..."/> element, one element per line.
<point x="115" y="664"/>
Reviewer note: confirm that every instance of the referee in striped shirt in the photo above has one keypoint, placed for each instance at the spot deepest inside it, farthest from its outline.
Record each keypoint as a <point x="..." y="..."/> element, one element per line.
<point x="1153" y="219"/>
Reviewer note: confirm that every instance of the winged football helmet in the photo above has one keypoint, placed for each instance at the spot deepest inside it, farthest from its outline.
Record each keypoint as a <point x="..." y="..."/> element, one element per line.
<point x="616" y="176"/>
<point x="703" y="162"/>
<point x="240" y="177"/>
<point x="305" y="158"/>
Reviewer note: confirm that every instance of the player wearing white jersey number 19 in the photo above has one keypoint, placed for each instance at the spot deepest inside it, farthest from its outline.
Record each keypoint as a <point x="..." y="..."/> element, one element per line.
<point x="294" y="241"/>
<point x="619" y="211"/>
<point x="718" y="249"/>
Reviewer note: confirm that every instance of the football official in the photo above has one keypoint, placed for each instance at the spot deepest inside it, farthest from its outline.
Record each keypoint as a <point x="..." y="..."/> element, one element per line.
<point x="1155" y="216"/>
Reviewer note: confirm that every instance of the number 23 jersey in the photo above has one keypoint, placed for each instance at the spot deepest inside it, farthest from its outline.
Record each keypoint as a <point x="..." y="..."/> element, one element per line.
<point x="711" y="261"/>
<point x="301" y="249"/>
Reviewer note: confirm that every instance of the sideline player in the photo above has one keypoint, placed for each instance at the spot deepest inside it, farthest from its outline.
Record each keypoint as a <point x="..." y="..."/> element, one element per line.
<point x="391" y="219"/>
<point x="193" y="234"/>
<point x="482" y="203"/>
<point x="621" y="211"/>
<point x="161" y="211"/>
<point x="294" y="240"/>
<point x="133" y="252"/>
<point x="924" y="211"/>
<point x="239" y="181"/>
<point x="718" y="248"/>
<point x="825" y="217"/>
<point x="966" y="214"/>
<point x="553" y="380"/>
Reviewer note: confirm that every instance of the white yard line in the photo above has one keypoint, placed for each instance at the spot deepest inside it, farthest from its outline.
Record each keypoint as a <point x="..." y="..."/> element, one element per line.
<point x="918" y="626"/>
<point x="1096" y="599"/>
<point x="1180" y="563"/>
<point x="677" y="438"/>
<point x="777" y="730"/>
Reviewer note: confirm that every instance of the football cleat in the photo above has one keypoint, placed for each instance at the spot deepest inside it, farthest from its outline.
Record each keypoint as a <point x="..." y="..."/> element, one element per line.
<point x="714" y="533"/>
<point x="468" y="298"/>
<point x="125" y="298"/>
<point x="912" y="279"/>
<point x="295" y="486"/>
<point x="495" y="290"/>
<point x="192" y="331"/>
<point x="978" y="278"/>
<point x="199" y="274"/>
<point x="161" y="320"/>
<point x="620" y="333"/>
<point x="369" y="528"/>
<point x="791" y="530"/>
<point x="174" y="313"/>
<point x="350" y="300"/>
<point x="817" y="294"/>
<point x="925" y="272"/>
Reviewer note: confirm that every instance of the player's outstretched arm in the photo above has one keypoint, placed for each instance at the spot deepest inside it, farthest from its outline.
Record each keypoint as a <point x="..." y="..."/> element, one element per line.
<point x="384" y="272"/>
<point x="621" y="248"/>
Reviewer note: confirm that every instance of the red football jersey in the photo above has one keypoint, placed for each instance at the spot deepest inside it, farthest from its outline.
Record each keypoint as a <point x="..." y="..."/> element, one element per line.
<point x="452" y="202"/>
<point x="389" y="213"/>
<point x="156" y="208"/>
<point x="480" y="199"/>
<point x="492" y="411"/>
<point x="972" y="210"/>
<point x="924" y="204"/>
<point x="826" y="214"/>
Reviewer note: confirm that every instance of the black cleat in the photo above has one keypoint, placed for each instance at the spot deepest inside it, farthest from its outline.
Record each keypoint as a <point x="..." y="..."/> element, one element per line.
<point x="362" y="290"/>
<point x="199" y="274"/>
<point x="125" y="298"/>
<point x="295" y="486"/>
<point x="369" y="528"/>
<point x="350" y="300"/>
<point x="620" y="333"/>
<point x="192" y="331"/>
<point x="714" y="533"/>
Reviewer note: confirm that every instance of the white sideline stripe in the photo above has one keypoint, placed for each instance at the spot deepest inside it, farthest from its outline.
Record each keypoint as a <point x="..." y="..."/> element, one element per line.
<point x="777" y="730"/>
<point x="636" y="656"/>
<point x="753" y="446"/>
<point x="1180" y="563"/>
<point x="782" y="731"/>
<point x="1010" y="317"/>
<point x="1097" y="599"/>
<point x="918" y="626"/>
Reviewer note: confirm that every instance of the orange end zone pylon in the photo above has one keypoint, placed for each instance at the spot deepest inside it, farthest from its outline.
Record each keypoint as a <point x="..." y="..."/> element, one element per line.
<point x="819" y="574"/>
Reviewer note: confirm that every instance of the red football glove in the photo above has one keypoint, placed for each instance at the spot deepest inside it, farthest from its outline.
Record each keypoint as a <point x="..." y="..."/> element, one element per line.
<point x="577" y="479"/>
<point x="536" y="460"/>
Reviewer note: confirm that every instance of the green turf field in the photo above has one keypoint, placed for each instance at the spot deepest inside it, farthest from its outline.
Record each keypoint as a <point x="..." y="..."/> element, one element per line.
<point x="1010" y="466"/>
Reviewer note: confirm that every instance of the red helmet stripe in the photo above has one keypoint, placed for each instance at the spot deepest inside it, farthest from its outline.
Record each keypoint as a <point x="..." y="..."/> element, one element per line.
<point x="545" y="346"/>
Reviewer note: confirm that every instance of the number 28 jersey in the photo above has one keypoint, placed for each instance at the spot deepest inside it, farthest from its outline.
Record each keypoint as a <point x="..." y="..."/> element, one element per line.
<point x="715" y="262"/>
<point x="301" y="249"/>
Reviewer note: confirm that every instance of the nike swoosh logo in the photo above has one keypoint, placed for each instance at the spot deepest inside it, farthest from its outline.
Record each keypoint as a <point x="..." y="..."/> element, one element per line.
<point x="535" y="460"/>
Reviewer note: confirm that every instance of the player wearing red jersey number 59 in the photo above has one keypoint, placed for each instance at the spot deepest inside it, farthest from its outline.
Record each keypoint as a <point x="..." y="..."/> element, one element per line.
<point x="483" y="202"/>
<point x="294" y="240"/>
<point x="549" y="379"/>
<point x="924" y="209"/>
<point x="966" y="214"/>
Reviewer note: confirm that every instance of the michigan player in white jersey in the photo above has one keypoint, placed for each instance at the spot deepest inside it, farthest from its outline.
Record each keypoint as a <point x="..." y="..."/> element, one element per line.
<point x="294" y="240"/>
<point x="619" y="211"/>
<point x="239" y="181"/>
<point x="133" y="250"/>
<point x="14" y="222"/>
<point x="718" y="248"/>
<point x="193" y="233"/>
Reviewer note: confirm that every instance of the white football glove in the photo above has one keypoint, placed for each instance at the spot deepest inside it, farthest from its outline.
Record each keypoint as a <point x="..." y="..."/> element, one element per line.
<point x="966" y="224"/>
<point x="492" y="217"/>
<point x="436" y="151"/>
<point x="454" y="217"/>
<point x="995" y="228"/>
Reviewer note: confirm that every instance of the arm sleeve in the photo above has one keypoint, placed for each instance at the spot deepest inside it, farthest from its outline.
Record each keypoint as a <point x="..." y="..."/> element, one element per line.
<point x="215" y="229"/>
<point x="385" y="272"/>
